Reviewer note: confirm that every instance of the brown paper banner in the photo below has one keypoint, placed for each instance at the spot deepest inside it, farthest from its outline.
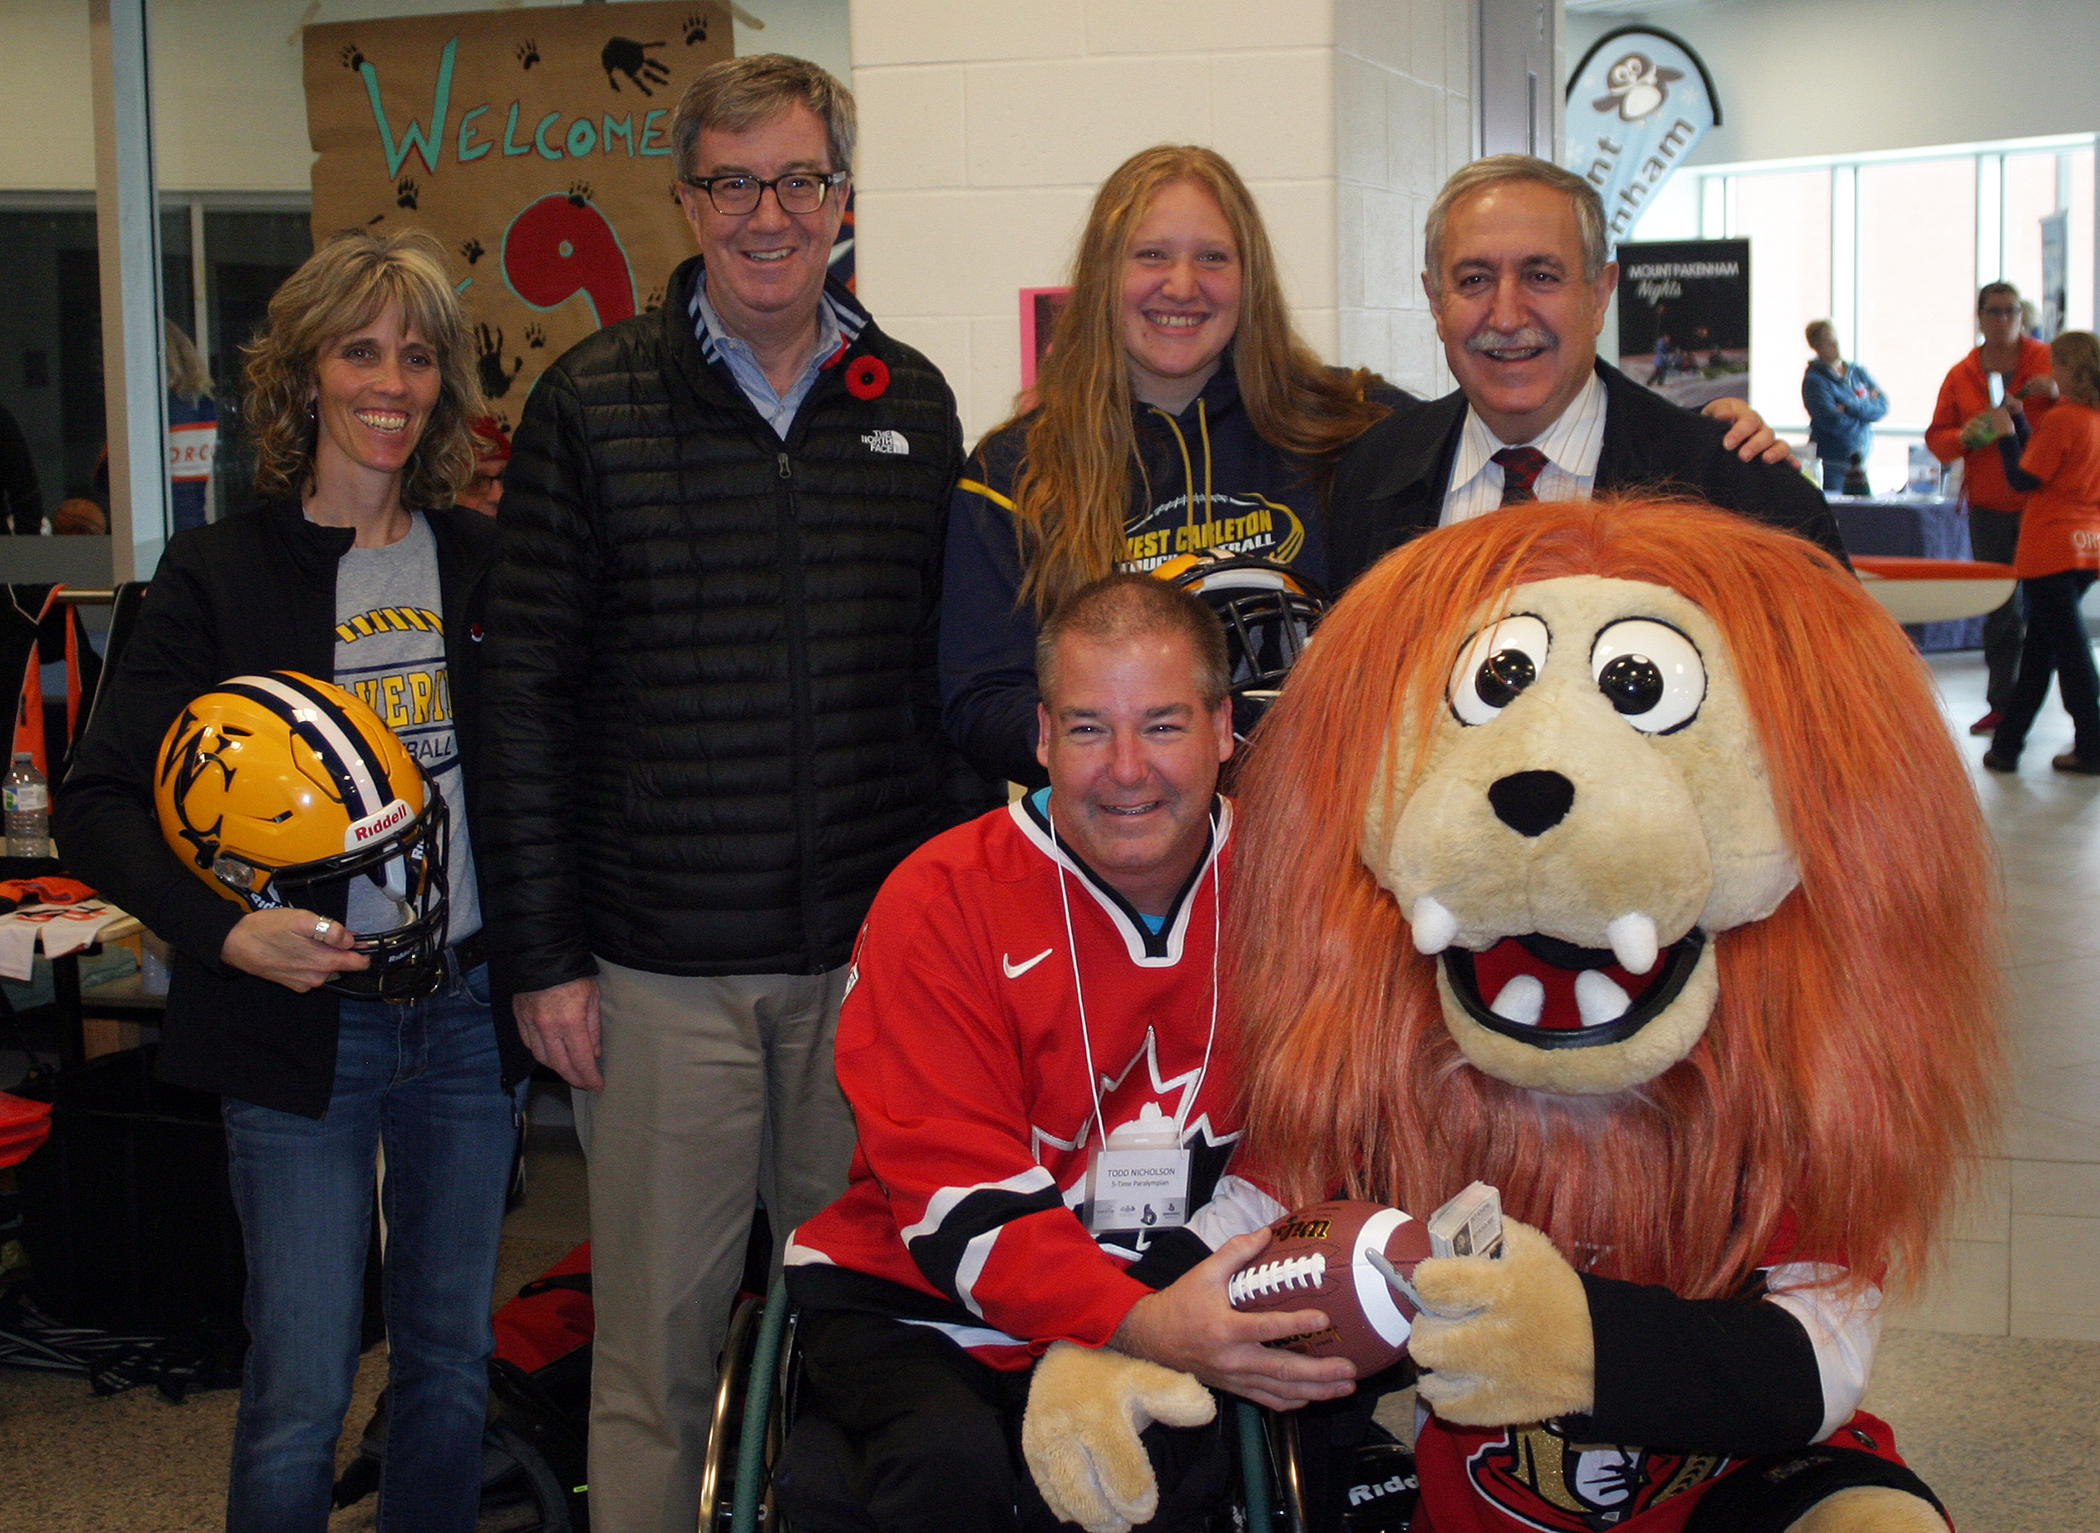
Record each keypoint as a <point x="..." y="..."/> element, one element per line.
<point x="535" y="144"/>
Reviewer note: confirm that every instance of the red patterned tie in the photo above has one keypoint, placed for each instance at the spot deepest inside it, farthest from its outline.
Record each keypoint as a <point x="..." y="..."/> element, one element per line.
<point x="1521" y="467"/>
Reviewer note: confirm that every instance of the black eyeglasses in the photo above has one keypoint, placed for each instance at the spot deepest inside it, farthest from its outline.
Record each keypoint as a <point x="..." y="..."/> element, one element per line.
<point x="802" y="191"/>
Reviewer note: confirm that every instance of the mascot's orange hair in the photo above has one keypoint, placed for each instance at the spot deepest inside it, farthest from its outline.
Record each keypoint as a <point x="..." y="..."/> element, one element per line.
<point x="1853" y="1061"/>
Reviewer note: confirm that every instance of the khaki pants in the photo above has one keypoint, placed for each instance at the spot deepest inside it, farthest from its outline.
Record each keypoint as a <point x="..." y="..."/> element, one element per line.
<point x="717" y="1092"/>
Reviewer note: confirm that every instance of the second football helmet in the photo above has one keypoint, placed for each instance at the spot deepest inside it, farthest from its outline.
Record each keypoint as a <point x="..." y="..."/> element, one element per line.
<point x="271" y="787"/>
<point x="1269" y="611"/>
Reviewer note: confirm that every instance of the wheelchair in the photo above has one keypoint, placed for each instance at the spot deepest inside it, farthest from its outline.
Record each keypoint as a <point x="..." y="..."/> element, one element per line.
<point x="756" y="1400"/>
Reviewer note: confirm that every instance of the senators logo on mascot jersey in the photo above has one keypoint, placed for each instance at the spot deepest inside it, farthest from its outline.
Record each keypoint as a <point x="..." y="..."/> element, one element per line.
<point x="1536" y="1475"/>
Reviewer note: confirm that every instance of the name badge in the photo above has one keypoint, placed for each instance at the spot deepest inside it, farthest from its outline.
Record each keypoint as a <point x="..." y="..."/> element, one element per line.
<point x="1138" y="1190"/>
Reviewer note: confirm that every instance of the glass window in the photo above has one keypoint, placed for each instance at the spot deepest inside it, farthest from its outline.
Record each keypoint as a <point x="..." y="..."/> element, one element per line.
<point x="2030" y="196"/>
<point x="1786" y="218"/>
<point x="2079" y="308"/>
<point x="1906" y="242"/>
<point x="51" y="345"/>
<point x="1917" y="277"/>
<point x="247" y="256"/>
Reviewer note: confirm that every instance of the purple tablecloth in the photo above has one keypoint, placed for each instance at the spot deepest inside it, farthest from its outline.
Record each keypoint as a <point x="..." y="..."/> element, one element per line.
<point x="1916" y="529"/>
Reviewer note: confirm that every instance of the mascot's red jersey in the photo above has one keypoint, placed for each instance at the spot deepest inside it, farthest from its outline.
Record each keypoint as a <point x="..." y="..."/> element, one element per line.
<point x="962" y="1051"/>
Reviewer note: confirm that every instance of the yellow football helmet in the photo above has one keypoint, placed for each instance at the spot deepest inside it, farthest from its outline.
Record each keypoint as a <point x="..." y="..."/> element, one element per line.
<point x="271" y="786"/>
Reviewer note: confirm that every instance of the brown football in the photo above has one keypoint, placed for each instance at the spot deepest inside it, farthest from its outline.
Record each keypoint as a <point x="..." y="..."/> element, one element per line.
<point x="1317" y="1260"/>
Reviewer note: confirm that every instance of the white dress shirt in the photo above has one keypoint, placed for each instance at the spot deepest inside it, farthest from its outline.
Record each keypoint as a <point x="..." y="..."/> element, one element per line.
<point x="1571" y="444"/>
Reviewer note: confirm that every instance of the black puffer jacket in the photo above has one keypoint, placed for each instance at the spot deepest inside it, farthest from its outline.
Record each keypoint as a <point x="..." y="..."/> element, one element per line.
<point x="714" y="725"/>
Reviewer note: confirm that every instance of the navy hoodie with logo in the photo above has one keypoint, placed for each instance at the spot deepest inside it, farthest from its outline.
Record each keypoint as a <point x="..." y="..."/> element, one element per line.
<point x="1205" y="482"/>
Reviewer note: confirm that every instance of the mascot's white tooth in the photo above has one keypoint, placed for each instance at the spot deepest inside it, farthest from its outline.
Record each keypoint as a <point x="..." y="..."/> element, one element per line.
<point x="1433" y="925"/>
<point x="1523" y="1000"/>
<point x="1598" y="999"/>
<point x="1633" y="942"/>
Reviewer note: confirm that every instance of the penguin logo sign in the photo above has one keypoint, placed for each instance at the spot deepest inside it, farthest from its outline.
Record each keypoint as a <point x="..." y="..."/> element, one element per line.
<point x="1638" y="86"/>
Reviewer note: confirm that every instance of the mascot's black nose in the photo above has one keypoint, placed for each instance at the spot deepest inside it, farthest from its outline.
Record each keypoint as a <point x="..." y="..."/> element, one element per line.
<point x="1531" y="803"/>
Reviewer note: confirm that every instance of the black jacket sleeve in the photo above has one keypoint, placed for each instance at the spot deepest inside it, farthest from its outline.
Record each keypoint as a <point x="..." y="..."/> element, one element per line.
<point x="988" y="691"/>
<point x="1730" y="1376"/>
<point x="1653" y="446"/>
<point x="2009" y="450"/>
<point x="967" y="790"/>
<point x="107" y="831"/>
<point x="540" y="656"/>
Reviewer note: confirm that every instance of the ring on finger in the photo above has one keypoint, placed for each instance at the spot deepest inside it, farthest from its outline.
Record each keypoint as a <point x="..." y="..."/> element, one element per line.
<point x="322" y="928"/>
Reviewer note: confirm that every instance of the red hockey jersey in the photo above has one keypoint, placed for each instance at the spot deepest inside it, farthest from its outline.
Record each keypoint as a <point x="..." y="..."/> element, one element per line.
<point x="962" y="1051"/>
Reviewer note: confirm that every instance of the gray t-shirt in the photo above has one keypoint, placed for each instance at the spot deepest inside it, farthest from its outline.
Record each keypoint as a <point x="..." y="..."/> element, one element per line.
<point x="390" y="651"/>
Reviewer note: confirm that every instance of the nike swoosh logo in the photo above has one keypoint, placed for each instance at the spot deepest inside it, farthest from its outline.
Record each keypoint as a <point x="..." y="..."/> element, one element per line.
<point x="1016" y="970"/>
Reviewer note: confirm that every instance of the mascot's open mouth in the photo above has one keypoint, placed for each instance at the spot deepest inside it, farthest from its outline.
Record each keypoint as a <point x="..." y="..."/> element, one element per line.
<point x="1555" y="995"/>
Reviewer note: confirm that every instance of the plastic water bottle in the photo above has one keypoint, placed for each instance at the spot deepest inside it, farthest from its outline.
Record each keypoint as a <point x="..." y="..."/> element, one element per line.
<point x="28" y="809"/>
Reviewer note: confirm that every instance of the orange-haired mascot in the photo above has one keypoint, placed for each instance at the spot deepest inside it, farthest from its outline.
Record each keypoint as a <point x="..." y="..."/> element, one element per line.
<point x="1622" y="852"/>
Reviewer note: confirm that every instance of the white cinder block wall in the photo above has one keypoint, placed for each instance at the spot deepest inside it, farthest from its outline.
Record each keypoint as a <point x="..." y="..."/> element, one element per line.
<point x="986" y="125"/>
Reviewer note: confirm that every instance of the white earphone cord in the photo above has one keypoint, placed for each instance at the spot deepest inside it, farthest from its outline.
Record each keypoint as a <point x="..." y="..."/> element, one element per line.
<point x="1086" y="1041"/>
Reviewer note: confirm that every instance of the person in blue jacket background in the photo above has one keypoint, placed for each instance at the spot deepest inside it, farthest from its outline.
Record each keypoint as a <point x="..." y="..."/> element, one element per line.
<point x="1843" y="402"/>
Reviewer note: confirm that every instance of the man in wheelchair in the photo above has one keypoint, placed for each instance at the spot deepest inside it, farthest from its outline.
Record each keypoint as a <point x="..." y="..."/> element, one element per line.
<point x="1031" y="1045"/>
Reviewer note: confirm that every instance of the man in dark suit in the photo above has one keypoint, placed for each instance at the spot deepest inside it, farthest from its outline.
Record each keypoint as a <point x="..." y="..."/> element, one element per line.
<point x="1518" y="279"/>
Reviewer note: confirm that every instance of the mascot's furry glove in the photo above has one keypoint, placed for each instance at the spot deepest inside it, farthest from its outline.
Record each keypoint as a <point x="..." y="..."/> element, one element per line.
<point x="1086" y="1407"/>
<point x="1507" y="1339"/>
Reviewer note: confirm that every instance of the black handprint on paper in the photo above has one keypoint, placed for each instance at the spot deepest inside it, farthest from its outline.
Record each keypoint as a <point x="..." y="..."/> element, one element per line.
<point x="503" y="423"/>
<point x="696" y="28"/>
<point x="471" y="249"/>
<point x="495" y="382"/>
<point x="405" y="193"/>
<point x="656" y="300"/>
<point x="528" y="53"/>
<point x="627" y="56"/>
<point x="352" y="59"/>
<point x="535" y="336"/>
<point x="579" y="193"/>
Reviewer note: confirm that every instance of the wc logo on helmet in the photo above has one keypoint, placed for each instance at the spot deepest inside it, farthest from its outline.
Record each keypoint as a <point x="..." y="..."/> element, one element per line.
<point x="375" y="826"/>
<point x="193" y="751"/>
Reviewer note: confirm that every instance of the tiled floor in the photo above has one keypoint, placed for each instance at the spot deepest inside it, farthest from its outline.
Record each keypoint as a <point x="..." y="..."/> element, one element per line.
<point x="2023" y="1258"/>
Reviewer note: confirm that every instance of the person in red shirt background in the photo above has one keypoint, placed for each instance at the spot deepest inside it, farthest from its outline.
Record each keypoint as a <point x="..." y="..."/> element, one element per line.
<point x="1961" y="428"/>
<point x="2058" y="554"/>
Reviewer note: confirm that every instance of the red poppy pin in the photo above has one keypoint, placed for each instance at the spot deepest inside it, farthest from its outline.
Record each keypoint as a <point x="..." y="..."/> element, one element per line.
<point x="866" y="377"/>
<point x="474" y="632"/>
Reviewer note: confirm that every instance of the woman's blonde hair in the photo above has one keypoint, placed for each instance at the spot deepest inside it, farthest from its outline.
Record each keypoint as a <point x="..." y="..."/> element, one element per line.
<point x="348" y="283"/>
<point x="2078" y="352"/>
<point x="1073" y="490"/>
<point x="188" y="378"/>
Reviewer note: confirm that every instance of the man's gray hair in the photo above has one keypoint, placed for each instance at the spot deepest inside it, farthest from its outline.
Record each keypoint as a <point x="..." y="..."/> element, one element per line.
<point x="1124" y="606"/>
<point x="737" y="95"/>
<point x="1494" y="171"/>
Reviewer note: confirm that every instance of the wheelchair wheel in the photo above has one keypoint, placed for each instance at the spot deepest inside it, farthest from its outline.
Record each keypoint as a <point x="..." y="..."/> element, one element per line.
<point x="754" y="1403"/>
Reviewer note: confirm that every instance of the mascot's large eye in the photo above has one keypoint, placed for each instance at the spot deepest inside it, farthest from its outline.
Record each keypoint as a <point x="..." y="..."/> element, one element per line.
<point x="1651" y="673"/>
<point x="1496" y="664"/>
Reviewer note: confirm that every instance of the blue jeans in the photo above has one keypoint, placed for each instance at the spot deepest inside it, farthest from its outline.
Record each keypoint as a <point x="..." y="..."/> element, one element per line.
<point x="425" y="1081"/>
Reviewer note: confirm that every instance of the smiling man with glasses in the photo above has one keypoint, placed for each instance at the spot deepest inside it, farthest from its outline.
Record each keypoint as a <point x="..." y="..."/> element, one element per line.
<point x="712" y="664"/>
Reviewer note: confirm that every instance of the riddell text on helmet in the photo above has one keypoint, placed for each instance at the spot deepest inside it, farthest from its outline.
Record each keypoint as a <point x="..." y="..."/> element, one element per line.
<point x="373" y="826"/>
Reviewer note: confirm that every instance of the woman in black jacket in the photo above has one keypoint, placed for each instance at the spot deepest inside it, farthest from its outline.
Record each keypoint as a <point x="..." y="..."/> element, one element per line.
<point x="358" y="568"/>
